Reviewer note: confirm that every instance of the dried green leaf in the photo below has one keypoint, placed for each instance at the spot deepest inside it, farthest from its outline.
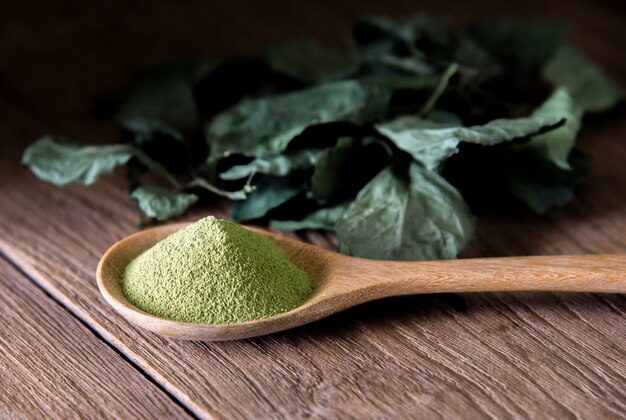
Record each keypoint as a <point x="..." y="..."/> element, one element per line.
<point x="157" y="202"/>
<point x="265" y="126"/>
<point x="62" y="163"/>
<point x="384" y="64"/>
<point x="396" y="82"/>
<point x="161" y="100"/>
<point x="541" y="184"/>
<point x="308" y="62"/>
<point x="416" y="136"/>
<point x="504" y="129"/>
<point x="411" y="33"/>
<point x="278" y="165"/>
<point x="521" y="49"/>
<point x="324" y="218"/>
<point x="169" y="110"/>
<point x="342" y="170"/>
<point x="588" y="85"/>
<point x="161" y="204"/>
<point x="443" y="118"/>
<point x="468" y="53"/>
<point x="406" y="216"/>
<point x="331" y="167"/>
<point x="432" y="146"/>
<point x="269" y="193"/>
<point x="556" y="145"/>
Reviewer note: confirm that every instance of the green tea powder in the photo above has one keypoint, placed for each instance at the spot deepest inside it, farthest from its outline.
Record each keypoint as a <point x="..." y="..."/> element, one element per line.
<point x="215" y="272"/>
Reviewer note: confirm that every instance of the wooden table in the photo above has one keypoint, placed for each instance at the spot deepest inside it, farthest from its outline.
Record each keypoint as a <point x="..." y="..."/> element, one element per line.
<point x="65" y="353"/>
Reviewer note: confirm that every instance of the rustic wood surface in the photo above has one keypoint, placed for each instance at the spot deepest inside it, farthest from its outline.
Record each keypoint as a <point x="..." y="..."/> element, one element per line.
<point x="478" y="355"/>
<point x="52" y="365"/>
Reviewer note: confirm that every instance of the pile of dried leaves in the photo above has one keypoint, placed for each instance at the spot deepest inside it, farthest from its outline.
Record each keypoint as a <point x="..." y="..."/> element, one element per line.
<point x="385" y="143"/>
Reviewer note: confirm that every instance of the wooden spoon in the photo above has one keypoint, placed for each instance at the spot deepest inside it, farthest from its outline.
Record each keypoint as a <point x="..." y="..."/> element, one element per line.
<point x="342" y="282"/>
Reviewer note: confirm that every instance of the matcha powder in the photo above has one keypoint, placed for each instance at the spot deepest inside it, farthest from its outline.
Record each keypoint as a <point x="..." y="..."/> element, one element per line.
<point x="215" y="272"/>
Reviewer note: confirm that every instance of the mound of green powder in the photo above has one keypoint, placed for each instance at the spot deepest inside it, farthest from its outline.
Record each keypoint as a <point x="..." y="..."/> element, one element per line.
<point x="215" y="272"/>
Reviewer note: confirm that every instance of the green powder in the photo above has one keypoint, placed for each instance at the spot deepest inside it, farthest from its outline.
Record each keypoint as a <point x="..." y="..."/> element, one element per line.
<point x="215" y="272"/>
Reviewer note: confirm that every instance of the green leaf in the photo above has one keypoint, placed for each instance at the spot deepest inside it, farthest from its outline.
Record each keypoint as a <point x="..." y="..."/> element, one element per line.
<point x="62" y="163"/>
<point x="308" y="62"/>
<point x="157" y="202"/>
<point x="331" y="167"/>
<point x="269" y="193"/>
<point x="556" y="145"/>
<point x="393" y="81"/>
<point x="169" y="110"/>
<point x="410" y="32"/>
<point x="540" y="172"/>
<point x="432" y="146"/>
<point x="471" y="55"/>
<point x="387" y="65"/>
<point x="406" y="216"/>
<point x="587" y="84"/>
<point x="265" y="126"/>
<point x="402" y="46"/>
<point x="520" y="48"/>
<point x="418" y="137"/>
<point x="504" y="129"/>
<point x="542" y="185"/>
<point x="324" y="218"/>
<point x="342" y="170"/>
<point x="161" y="100"/>
<point x="444" y="118"/>
<point x="278" y="165"/>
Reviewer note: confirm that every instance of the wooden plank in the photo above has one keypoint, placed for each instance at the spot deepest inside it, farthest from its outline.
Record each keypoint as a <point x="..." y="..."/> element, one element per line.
<point x="54" y="367"/>
<point x="524" y="355"/>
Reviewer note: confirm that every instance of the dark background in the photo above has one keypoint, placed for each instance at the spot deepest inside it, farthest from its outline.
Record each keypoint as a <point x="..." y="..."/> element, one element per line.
<point x="57" y="57"/>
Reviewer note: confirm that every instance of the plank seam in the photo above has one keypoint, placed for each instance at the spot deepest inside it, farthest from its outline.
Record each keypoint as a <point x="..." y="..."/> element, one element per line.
<point x="99" y="336"/>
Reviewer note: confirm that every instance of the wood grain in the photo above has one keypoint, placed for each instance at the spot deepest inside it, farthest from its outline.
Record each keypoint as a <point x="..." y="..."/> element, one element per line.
<point x="478" y="355"/>
<point x="54" y="367"/>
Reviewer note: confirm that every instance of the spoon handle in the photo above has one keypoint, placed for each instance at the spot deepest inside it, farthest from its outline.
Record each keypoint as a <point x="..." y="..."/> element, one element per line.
<point x="579" y="273"/>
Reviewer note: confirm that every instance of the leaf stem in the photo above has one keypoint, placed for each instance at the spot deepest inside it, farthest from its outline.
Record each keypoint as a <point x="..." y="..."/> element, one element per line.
<point x="439" y="89"/>
<point x="156" y="167"/>
<point x="202" y="183"/>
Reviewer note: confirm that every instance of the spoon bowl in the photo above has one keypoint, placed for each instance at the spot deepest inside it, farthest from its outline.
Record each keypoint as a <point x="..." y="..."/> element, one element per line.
<point x="341" y="282"/>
